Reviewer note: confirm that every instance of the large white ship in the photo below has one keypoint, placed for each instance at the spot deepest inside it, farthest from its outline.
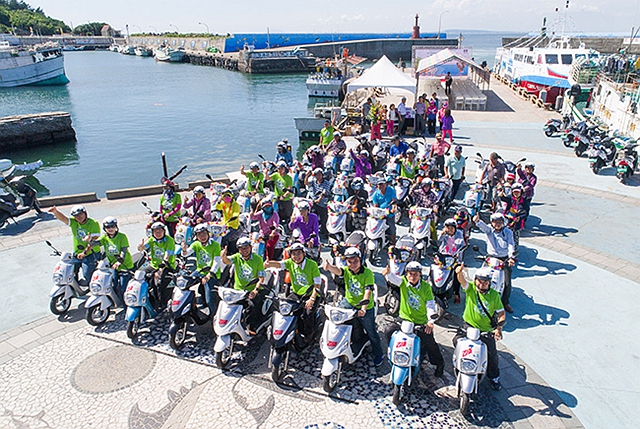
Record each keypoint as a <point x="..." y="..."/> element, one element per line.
<point x="38" y="65"/>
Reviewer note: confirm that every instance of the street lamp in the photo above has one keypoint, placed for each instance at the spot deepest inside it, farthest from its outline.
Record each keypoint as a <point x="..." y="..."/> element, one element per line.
<point x="440" y="22"/>
<point x="177" y="31"/>
<point x="202" y="23"/>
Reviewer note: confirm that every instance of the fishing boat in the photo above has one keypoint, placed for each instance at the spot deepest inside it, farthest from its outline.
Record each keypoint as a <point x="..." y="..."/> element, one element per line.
<point x="38" y="65"/>
<point x="329" y="76"/>
<point x="169" y="54"/>
<point x="143" y="51"/>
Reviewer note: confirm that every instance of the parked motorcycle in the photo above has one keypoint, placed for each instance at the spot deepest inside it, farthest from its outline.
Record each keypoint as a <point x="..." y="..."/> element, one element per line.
<point x="627" y="162"/>
<point x="601" y="154"/>
<point x="555" y="126"/>
<point x="66" y="284"/>
<point x="420" y="229"/>
<point x="399" y="256"/>
<point x="342" y="342"/>
<point x="103" y="294"/>
<point x="470" y="359"/>
<point x="404" y="356"/>
<point x="376" y="232"/>
<point x="16" y="198"/>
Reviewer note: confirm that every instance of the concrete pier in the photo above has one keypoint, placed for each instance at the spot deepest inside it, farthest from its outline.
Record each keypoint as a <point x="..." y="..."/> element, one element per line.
<point x="24" y="131"/>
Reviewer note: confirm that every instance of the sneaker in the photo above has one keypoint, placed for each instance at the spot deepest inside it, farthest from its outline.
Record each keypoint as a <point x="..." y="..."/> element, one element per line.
<point x="439" y="371"/>
<point x="495" y="384"/>
<point x="456" y="299"/>
<point x="378" y="361"/>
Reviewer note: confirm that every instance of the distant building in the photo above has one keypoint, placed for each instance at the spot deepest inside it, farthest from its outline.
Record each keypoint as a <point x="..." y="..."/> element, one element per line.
<point x="109" y="31"/>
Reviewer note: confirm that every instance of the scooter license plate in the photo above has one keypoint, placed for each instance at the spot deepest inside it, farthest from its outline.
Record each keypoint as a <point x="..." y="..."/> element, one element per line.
<point x="622" y="169"/>
<point x="592" y="160"/>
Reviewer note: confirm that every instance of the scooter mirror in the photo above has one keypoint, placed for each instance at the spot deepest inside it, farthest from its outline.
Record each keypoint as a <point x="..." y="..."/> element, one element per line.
<point x="475" y="248"/>
<point x="48" y="243"/>
<point x="208" y="176"/>
<point x="479" y="154"/>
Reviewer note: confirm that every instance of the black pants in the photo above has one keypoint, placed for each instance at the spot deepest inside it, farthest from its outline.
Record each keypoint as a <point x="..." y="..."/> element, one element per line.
<point x="160" y="291"/>
<point x="440" y="164"/>
<point x="428" y="345"/>
<point x="285" y="210"/>
<point x="255" y="316"/>
<point x="402" y="126"/>
<point x="506" y="292"/>
<point x="455" y="187"/>
<point x="431" y="126"/>
<point x="323" y="215"/>
<point x="493" y="371"/>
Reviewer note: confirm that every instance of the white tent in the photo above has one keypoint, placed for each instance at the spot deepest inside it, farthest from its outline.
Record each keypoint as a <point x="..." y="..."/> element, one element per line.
<point x="383" y="74"/>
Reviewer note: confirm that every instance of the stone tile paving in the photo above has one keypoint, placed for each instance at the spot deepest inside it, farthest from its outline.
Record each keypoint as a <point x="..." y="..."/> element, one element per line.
<point x="98" y="377"/>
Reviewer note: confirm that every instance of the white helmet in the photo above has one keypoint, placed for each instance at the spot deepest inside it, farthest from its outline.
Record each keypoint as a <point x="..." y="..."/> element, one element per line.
<point x="351" y="252"/>
<point x="254" y="165"/>
<point x="483" y="273"/>
<point x="198" y="190"/>
<point x="200" y="227"/>
<point x="297" y="246"/>
<point x="76" y="210"/>
<point x="414" y="266"/>
<point x="497" y="217"/>
<point x="243" y="241"/>
<point x="450" y="222"/>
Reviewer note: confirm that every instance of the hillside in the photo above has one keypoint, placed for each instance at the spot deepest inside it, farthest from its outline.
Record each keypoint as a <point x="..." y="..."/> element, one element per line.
<point x="18" y="17"/>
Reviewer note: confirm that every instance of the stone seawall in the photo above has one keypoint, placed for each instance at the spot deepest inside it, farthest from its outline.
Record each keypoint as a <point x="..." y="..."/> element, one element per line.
<point x="24" y="131"/>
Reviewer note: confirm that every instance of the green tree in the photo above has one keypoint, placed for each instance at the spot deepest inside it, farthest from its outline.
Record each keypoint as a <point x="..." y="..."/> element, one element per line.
<point x="89" y="29"/>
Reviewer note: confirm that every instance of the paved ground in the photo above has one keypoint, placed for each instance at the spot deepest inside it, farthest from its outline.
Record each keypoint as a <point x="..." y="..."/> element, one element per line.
<point x="560" y="368"/>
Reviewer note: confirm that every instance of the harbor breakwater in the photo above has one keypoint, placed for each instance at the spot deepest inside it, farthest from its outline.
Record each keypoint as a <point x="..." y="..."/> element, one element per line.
<point x="24" y="131"/>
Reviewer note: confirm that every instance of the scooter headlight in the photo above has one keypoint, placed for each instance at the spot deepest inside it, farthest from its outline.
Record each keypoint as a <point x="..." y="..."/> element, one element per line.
<point x="468" y="366"/>
<point x="285" y="308"/>
<point x="337" y="317"/>
<point x="181" y="282"/>
<point x="400" y="359"/>
<point x="96" y="288"/>
<point x="58" y="278"/>
<point x="130" y="299"/>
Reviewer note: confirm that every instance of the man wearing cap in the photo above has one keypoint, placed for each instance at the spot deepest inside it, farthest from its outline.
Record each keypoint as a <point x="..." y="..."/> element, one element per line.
<point x="305" y="283"/>
<point x="248" y="266"/>
<point x="359" y="283"/>
<point x="454" y="169"/>
<point x="337" y="148"/>
<point x="399" y="148"/>
<point x="319" y="191"/>
<point x="326" y="134"/>
<point x="201" y="206"/>
<point x="439" y="149"/>
<point x="385" y="198"/>
<point x="283" y="189"/>
<point x="417" y="306"/>
<point x="86" y="249"/>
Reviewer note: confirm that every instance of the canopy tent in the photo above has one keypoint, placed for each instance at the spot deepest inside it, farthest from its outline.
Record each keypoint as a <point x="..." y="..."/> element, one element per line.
<point x="383" y="74"/>
<point x="477" y="74"/>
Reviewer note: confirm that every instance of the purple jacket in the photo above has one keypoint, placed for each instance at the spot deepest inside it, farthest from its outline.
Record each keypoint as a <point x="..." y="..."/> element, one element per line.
<point x="306" y="229"/>
<point x="201" y="208"/>
<point x="363" y="166"/>
<point x="528" y="182"/>
<point x="447" y="122"/>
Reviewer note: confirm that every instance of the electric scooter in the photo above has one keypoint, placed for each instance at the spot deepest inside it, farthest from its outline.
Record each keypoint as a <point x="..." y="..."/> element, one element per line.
<point x="404" y="356"/>
<point x="399" y="256"/>
<point x="420" y="229"/>
<point x="376" y="232"/>
<point x="103" y="294"/>
<point x="66" y="284"/>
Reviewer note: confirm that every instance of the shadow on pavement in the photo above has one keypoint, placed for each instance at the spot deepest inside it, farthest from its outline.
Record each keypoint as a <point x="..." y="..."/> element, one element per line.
<point x="495" y="103"/>
<point x="530" y="265"/>
<point x="529" y="314"/>
<point x="535" y="228"/>
<point x="24" y="223"/>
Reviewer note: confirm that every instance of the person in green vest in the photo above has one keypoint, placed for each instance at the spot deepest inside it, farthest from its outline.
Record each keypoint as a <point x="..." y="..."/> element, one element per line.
<point x="305" y="281"/>
<point x="255" y="182"/>
<point x="484" y="311"/>
<point x="326" y="134"/>
<point x="359" y="283"/>
<point x="248" y="266"/>
<point x="283" y="190"/>
<point x="409" y="164"/>
<point x="170" y="205"/>
<point x="116" y="249"/>
<point x="417" y="306"/>
<point x="86" y="249"/>
<point x="208" y="261"/>
<point x="160" y="248"/>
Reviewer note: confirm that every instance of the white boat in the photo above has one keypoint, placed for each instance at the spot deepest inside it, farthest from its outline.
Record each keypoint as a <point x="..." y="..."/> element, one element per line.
<point x="39" y="65"/>
<point x="143" y="51"/>
<point x="538" y="68"/>
<point x="73" y="48"/>
<point x="330" y="76"/>
<point x="169" y="54"/>
<point x="128" y="50"/>
<point x="8" y="168"/>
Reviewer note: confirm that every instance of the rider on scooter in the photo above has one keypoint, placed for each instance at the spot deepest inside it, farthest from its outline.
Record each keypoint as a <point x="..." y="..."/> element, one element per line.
<point x="417" y="305"/>
<point x="207" y="254"/>
<point x="230" y="210"/>
<point x="170" y="205"/>
<point x="304" y="273"/>
<point x="268" y="220"/>
<point x="307" y="223"/>
<point x="116" y="248"/>
<point x="423" y="196"/>
<point x="483" y="310"/>
<point x="162" y="260"/>
<point x="500" y="245"/>
<point x="85" y="233"/>
<point x="359" y="283"/>
<point x="201" y="206"/>
<point x="451" y="242"/>
<point x="246" y="267"/>
<point x="385" y="198"/>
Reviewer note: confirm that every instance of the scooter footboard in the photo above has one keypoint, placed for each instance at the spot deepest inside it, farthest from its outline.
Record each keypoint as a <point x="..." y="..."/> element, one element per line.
<point x="132" y="313"/>
<point x="101" y="300"/>
<point x="399" y="374"/>
<point x="222" y="343"/>
<point x="59" y="290"/>
<point x="329" y="366"/>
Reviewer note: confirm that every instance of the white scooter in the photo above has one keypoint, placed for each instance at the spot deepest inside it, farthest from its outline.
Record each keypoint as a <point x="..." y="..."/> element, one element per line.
<point x="66" y="284"/>
<point x="469" y="364"/>
<point x="337" y="220"/>
<point x="103" y="294"/>
<point x="341" y="342"/>
<point x="420" y="229"/>
<point x="376" y="232"/>
<point x="229" y="324"/>
<point x="404" y="356"/>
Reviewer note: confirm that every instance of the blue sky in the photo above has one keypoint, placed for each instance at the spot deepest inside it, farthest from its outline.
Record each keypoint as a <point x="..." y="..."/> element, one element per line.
<point x="334" y="16"/>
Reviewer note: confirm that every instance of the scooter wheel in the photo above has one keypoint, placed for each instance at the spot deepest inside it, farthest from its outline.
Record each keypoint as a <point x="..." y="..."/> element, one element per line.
<point x="329" y="383"/>
<point x="133" y="328"/>
<point x="276" y="372"/>
<point x="397" y="394"/>
<point x="464" y="403"/>
<point x="59" y="305"/>
<point x="392" y="303"/>
<point x="177" y="335"/>
<point x="549" y="131"/>
<point x="224" y="357"/>
<point x="96" y="316"/>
